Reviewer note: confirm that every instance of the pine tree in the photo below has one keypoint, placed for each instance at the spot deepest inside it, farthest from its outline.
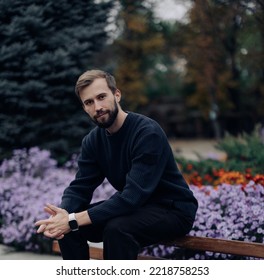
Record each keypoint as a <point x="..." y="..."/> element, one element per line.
<point x="45" y="46"/>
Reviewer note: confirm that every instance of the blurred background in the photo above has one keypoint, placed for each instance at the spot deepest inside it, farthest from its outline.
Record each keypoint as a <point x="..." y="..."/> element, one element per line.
<point x="197" y="67"/>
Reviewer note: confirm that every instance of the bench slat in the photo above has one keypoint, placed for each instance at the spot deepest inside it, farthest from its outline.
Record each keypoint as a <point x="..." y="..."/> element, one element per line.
<point x="241" y="248"/>
<point x="96" y="253"/>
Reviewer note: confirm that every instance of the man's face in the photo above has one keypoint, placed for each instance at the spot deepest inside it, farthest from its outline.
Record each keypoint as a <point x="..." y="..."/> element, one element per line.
<point x="100" y="103"/>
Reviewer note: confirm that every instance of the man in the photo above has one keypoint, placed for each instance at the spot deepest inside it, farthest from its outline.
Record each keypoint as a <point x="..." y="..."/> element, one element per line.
<point x="153" y="202"/>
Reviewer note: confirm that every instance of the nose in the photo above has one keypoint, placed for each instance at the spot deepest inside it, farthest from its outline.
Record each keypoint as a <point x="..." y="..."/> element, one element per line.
<point x="97" y="106"/>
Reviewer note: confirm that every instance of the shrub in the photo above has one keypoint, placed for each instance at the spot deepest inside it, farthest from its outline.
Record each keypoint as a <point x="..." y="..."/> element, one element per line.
<point x="244" y="151"/>
<point x="245" y="154"/>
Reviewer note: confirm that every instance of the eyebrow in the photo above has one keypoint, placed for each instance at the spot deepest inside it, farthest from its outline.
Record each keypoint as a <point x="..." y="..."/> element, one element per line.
<point x="98" y="95"/>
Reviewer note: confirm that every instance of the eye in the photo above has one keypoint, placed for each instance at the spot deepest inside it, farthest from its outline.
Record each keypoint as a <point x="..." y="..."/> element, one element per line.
<point x="101" y="96"/>
<point x="88" y="102"/>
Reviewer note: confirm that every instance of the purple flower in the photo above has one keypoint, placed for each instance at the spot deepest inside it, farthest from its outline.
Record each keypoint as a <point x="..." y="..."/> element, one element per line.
<point x="228" y="212"/>
<point x="32" y="178"/>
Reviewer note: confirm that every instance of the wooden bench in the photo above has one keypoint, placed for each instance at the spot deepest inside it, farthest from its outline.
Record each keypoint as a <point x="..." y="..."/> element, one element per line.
<point x="216" y="245"/>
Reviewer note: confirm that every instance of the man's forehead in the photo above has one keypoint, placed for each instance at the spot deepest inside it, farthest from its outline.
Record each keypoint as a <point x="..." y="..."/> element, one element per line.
<point x="99" y="86"/>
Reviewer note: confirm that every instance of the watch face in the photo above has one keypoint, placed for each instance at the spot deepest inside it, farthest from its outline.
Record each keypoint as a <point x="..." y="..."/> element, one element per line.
<point x="73" y="225"/>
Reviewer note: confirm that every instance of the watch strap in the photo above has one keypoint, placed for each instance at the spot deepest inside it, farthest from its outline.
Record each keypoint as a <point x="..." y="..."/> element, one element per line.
<point x="72" y="217"/>
<point x="73" y="222"/>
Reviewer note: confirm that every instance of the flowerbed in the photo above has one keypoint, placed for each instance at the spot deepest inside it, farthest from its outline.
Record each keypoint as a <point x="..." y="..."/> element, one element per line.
<point x="27" y="181"/>
<point x="227" y="209"/>
<point x="221" y="176"/>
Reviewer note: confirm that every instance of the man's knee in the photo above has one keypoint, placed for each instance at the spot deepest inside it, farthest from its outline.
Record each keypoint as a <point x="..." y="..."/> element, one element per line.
<point x="116" y="226"/>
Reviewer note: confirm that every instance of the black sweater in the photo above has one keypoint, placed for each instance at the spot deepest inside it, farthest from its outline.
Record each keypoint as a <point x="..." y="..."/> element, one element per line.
<point x="138" y="161"/>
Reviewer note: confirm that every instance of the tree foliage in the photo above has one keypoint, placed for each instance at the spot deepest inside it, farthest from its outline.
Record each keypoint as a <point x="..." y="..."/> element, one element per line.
<point x="45" y="46"/>
<point x="223" y="47"/>
<point x="139" y="42"/>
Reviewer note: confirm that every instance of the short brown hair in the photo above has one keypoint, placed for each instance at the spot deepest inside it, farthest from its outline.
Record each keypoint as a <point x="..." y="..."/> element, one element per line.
<point x="89" y="76"/>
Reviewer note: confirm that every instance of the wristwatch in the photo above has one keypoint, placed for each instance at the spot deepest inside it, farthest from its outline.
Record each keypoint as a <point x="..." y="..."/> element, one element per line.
<point x="73" y="222"/>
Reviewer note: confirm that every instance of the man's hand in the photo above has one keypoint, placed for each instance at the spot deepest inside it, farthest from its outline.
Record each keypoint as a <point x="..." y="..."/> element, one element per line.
<point x="56" y="225"/>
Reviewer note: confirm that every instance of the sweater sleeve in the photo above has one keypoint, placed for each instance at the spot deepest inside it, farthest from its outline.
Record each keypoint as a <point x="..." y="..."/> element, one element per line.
<point x="148" y="163"/>
<point x="78" y="194"/>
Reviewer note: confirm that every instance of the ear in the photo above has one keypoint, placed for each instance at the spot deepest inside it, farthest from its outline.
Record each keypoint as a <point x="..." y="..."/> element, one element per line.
<point x="118" y="95"/>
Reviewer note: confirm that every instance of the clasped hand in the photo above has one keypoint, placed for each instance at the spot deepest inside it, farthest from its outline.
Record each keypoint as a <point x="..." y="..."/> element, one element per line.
<point x="56" y="226"/>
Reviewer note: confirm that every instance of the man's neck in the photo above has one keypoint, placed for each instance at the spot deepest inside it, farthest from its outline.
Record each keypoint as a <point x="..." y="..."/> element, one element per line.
<point x="119" y="121"/>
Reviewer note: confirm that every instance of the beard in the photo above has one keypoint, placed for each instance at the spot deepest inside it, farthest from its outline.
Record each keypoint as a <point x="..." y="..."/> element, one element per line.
<point x="106" y="123"/>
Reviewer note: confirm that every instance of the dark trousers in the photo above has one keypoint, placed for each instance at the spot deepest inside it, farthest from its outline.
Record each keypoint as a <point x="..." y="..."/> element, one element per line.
<point x="124" y="236"/>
